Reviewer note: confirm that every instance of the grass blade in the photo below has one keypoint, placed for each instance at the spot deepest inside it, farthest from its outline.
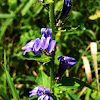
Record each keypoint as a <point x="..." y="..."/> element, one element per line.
<point x="7" y="16"/>
<point x="27" y="7"/>
<point x="87" y="69"/>
<point x="72" y="95"/>
<point x="93" y="48"/>
<point x="3" y="95"/>
<point x="10" y="82"/>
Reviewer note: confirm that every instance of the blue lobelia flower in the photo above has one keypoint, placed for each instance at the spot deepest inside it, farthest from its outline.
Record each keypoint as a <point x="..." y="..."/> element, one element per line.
<point x="37" y="91"/>
<point x="65" y="11"/>
<point x="66" y="8"/>
<point x="64" y="62"/>
<point x="32" y="46"/>
<point x="45" y="97"/>
<point x="37" y="45"/>
<point x="42" y="92"/>
<point x="46" y="42"/>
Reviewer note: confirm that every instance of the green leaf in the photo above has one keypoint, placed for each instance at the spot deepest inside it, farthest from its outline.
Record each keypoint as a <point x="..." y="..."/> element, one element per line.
<point x="72" y="95"/>
<point x="73" y="82"/>
<point x="3" y="81"/>
<point x="7" y="16"/>
<point x="43" y="79"/>
<point x="27" y="7"/>
<point x="12" y="4"/>
<point x="4" y="27"/>
<point x="7" y="22"/>
<point x="98" y="96"/>
<point x="31" y="56"/>
<point x="10" y="82"/>
<point x="38" y="11"/>
<point x="94" y="94"/>
<point x="58" y="6"/>
<point x="47" y="2"/>
<point x="76" y="14"/>
<point x="88" y="92"/>
<point x="29" y="78"/>
<point x="64" y="88"/>
<point x="3" y="95"/>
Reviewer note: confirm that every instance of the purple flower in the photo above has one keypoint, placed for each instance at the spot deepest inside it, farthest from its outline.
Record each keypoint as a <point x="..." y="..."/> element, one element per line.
<point x="64" y="62"/>
<point x="37" y="45"/>
<point x="32" y="46"/>
<point x="37" y="91"/>
<point x="64" y="13"/>
<point x="42" y="92"/>
<point x="66" y="8"/>
<point x="46" y="42"/>
<point x="45" y="97"/>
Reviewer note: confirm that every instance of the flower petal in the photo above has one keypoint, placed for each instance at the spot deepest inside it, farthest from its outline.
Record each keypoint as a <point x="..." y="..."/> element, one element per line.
<point x="41" y="97"/>
<point x="60" y="57"/>
<point x="72" y="62"/>
<point x="67" y="2"/>
<point x="49" y="32"/>
<point x="68" y="58"/>
<point x="44" y="43"/>
<point x="28" y="45"/>
<point x="33" y="92"/>
<point x="37" y="44"/>
<point x="27" y="50"/>
<point x="62" y="68"/>
<point x="40" y="87"/>
<point x="51" y="46"/>
<point x="50" y="98"/>
<point x="47" y="91"/>
<point x="43" y="31"/>
<point x="45" y="97"/>
<point x="46" y="32"/>
<point x="40" y="90"/>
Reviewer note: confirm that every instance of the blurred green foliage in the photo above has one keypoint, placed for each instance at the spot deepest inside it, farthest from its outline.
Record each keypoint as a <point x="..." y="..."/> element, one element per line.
<point x="22" y="20"/>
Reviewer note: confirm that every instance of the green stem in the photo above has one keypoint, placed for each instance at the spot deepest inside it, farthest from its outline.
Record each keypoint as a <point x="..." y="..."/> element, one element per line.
<point x="52" y="26"/>
<point x="51" y="76"/>
<point x="52" y="19"/>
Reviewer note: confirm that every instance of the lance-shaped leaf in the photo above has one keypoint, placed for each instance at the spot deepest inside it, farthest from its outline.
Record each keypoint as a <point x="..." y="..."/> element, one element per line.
<point x="10" y="82"/>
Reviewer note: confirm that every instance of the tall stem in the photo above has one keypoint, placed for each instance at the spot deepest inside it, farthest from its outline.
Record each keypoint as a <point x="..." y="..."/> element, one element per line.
<point x="52" y="26"/>
<point x="51" y="75"/>
<point x="52" y="19"/>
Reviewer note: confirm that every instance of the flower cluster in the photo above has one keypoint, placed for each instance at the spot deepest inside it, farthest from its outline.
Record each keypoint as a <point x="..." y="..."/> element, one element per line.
<point x="64" y="62"/>
<point x="42" y="92"/>
<point x="37" y="45"/>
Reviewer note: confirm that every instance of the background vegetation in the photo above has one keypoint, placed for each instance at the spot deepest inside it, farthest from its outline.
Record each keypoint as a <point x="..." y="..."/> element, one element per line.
<point x="22" y="20"/>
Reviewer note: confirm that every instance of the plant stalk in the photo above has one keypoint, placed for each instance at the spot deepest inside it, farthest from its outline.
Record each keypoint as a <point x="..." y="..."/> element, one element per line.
<point x="52" y="26"/>
<point x="52" y="19"/>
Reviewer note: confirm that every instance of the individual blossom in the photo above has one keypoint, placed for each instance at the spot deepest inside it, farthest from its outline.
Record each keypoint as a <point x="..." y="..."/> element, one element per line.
<point x="32" y="46"/>
<point x="46" y="42"/>
<point x="38" y="45"/>
<point x="42" y="92"/>
<point x="37" y="91"/>
<point x="64" y="62"/>
<point x="66" y="8"/>
<point x="65" y="11"/>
